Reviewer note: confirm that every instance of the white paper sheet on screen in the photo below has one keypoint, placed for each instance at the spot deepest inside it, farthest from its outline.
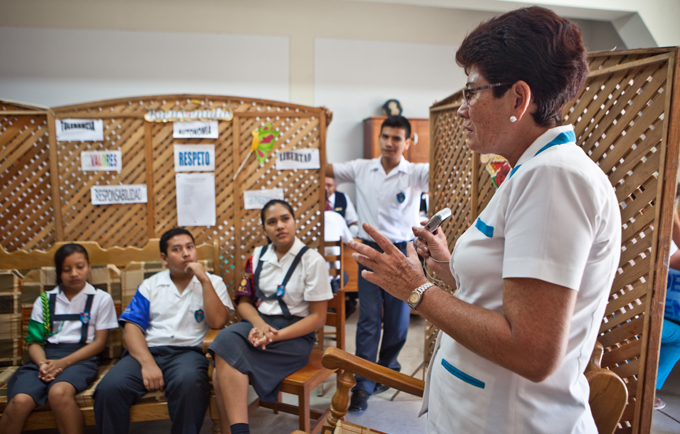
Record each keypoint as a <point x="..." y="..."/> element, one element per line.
<point x="194" y="158"/>
<point x="195" y="199"/>
<point x="298" y="159"/>
<point x="195" y="130"/>
<point x="256" y="199"/>
<point x="84" y="130"/>
<point x="118" y="194"/>
<point x="102" y="161"/>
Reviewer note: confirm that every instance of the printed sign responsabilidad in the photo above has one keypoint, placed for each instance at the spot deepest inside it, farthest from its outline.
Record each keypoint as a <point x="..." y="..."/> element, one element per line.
<point x="194" y="158"/>
<point x="85" y="130"/>
<point x="298" y="159"/>
<point x="118" y="194"/>
<point x="256" y="199"/>
<point x="105" y="161"/>
<point x="195" y="130"/>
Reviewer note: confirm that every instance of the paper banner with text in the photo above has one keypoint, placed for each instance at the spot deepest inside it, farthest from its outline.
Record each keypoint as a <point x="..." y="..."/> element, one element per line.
<point x="195" y="199"/>
<point x="118" y="194"/>
<point x="298" y="159"/>
<point x="256" y="199"/>
<point x="195" y="130"/>
<point x="101" y="161"/>
<point x="194" y="158"/>
<point x="85" y="130"/>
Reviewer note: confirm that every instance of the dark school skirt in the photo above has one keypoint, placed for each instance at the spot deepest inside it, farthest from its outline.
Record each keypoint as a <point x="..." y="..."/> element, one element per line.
<point x="267" y="368"/>
<point x="79" y="375"/>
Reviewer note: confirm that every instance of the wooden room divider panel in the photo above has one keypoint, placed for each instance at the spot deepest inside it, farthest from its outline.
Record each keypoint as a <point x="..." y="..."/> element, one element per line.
<point x="627" y="119"/>
<point x="40" y="174"/>
<point x="110" y="225"/>
<point x="27" y="217"/>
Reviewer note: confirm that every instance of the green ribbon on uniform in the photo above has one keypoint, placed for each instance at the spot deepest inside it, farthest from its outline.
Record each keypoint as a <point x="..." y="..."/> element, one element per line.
<point x="38" y="332"/>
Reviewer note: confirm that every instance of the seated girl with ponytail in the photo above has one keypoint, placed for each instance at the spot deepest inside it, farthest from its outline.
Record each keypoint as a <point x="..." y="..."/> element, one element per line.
<point x="282" y="301"/>
<point x="67" y="331"/>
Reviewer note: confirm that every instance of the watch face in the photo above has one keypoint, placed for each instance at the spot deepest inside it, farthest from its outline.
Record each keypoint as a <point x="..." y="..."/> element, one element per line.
<point x="414" y="297"/>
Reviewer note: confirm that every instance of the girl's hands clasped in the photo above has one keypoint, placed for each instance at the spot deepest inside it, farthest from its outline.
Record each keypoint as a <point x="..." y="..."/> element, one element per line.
<point x="49" y="369"/>
<point x="262" y="336"/>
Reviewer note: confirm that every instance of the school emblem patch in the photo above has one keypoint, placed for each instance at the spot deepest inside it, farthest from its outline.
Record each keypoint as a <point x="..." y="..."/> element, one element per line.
<point x="199" y="315"/>
<point x="85" y="318"/>
<point x="280" y="290"/>
<point x="401" y="197"/>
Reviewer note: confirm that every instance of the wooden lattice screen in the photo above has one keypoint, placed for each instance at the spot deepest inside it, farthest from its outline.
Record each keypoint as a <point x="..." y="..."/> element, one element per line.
<point x="627" y="119"/>
<point x="39" y="175"/>
<point x="27" y="217"/>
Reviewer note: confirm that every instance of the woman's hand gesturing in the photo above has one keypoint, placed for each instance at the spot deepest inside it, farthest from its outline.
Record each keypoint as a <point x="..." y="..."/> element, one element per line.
<point x="392" y="271"/>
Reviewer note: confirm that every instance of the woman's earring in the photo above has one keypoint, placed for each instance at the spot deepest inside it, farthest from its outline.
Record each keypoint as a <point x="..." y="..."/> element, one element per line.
<point x="513" y="119"/>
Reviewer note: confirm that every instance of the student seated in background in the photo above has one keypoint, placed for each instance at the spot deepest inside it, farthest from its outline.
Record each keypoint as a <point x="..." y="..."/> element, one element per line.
<point x="283" y="301"/>
<point x="335" y="229"/>
<point x="72" y="322"/>
<point x="339" y="202"/>
<point x="164" y="325"/>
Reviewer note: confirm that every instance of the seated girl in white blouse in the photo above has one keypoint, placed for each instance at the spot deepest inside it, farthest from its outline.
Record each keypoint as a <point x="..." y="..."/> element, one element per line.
<point x="283" y="301"/>
<point x="67" y="331"/>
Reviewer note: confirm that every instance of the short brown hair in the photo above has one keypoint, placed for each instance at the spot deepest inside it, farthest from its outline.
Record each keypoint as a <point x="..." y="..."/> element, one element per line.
<point x="534" y="45"/>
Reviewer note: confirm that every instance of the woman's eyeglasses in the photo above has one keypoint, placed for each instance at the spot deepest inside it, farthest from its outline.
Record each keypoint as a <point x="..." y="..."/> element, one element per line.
<point x="469" y="93"/>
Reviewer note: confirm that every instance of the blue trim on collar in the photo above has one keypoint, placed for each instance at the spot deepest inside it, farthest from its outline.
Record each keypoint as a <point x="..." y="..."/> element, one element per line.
<point x="561" y="139"/>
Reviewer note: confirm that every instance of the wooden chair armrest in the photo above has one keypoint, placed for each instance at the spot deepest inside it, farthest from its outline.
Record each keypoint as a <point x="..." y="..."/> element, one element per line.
<point x="209" y="338"/>
<point x="348" y="365"/>
<point x="596" y="357"/>
<point x="334" y="358"/>
<point x="608" y="393"/>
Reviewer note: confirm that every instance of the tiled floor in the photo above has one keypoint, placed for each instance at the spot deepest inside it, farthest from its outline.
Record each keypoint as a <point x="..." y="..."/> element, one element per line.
<point x="667" y="421"/>
<point x="398" y="416"/>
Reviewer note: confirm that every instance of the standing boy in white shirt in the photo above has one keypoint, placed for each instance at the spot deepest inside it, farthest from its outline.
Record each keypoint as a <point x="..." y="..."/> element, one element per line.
<point x="165" y="324"/>
<point x="388" y="197"/>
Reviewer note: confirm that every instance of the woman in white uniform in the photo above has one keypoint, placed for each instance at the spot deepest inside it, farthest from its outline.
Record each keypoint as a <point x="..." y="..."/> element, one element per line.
<point x="534" y="271"/>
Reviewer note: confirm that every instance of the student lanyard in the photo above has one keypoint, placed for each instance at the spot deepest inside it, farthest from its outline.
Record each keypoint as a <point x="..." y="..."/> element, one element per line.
<point x="82" y="317"/>
<point x="281" y="289"/>
<point x="561" y="139"/>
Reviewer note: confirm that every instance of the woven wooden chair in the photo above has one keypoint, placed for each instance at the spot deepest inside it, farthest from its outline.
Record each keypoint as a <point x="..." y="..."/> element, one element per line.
<point x="153" y="405"/>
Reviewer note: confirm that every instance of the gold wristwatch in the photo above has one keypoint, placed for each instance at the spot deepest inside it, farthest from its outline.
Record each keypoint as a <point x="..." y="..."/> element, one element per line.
<point x="417" y="295"/>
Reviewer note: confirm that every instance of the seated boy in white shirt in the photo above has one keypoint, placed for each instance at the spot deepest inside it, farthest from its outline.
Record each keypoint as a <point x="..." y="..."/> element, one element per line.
<point x="165" y="324"/>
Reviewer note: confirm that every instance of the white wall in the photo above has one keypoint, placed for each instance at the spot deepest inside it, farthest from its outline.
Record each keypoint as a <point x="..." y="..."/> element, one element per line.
<point x="355" y="78"/>
<point x="65" y="66"/>
<point x="348" y="55"/>
<point x="600" y="36"/>
<point x="641" y="24"/>
<point x="212" y="26"/>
